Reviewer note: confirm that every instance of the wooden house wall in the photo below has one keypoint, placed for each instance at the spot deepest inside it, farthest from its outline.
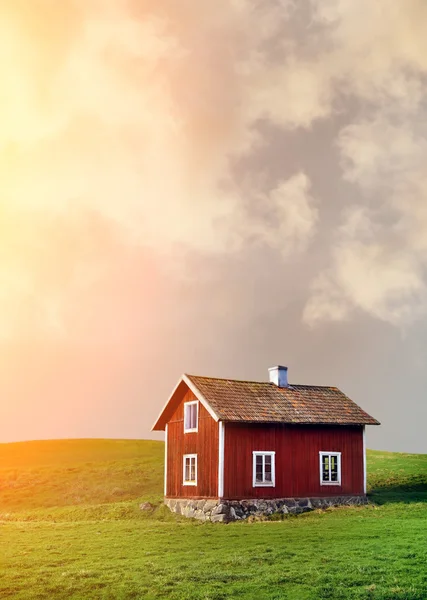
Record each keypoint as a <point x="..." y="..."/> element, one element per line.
<point x="296" y="461"/>
<point x="204" y="443"/>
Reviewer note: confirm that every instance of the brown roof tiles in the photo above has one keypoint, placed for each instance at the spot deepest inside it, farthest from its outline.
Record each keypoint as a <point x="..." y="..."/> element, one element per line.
<point x="263" y="402"/>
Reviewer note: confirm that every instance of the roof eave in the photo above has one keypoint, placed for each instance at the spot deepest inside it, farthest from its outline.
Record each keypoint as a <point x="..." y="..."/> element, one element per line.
<point x="184" y="378"/>
<point x="155" y="426"/>
<point x="282" y="422"/>
<point x="200" y="397"/>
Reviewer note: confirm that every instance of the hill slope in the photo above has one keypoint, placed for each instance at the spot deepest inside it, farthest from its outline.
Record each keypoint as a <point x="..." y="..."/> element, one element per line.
<point x="71" y="529"/>
<point x="63" y="473"/>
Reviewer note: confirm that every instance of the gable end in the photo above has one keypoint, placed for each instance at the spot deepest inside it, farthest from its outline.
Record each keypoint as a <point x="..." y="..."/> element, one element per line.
<point x="183" y="385"/>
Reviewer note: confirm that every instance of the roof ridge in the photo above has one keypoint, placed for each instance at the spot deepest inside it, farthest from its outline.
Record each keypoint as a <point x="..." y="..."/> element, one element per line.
<point x="291" y="385"/>
<point x="226" y="379"/>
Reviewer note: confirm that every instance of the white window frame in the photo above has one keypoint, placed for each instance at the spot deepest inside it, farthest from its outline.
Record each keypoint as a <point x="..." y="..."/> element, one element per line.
<point x="323" y="453"/>
<point x="271" y="483"/>
<point x="192" y="429"/>
<point x="184" y="458"/>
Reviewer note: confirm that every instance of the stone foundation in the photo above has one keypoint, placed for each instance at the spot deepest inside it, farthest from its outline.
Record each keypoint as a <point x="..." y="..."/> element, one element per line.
<point x="235" y="510"/>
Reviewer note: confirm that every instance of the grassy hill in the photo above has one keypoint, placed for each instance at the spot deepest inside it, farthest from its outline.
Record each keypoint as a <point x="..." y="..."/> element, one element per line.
<point x="396" y="477"/>
<point x="70" y="527"/>
<point x="61" y="473"/>
<point x="71" y="473"/>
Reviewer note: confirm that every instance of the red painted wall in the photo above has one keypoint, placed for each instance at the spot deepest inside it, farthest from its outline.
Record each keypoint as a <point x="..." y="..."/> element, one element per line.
<point x="296" y="461"/>
<point x="204" y="443"/>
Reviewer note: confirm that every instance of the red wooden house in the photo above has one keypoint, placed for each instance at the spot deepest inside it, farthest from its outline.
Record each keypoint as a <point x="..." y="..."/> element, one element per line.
<point x="239" y="447"/>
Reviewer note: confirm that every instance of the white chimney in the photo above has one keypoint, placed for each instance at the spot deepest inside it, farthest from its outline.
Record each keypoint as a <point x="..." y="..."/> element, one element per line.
<point x="279" y="376"/>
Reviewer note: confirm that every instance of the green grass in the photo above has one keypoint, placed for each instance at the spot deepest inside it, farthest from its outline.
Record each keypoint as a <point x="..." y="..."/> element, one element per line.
<point x="70" y="527"/>
<point x="397" y="477"/>
<point x="76" y="472"/>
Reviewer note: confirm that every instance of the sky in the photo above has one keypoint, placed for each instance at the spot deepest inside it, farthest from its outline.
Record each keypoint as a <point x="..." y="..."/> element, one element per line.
<point x="211" y="188"/>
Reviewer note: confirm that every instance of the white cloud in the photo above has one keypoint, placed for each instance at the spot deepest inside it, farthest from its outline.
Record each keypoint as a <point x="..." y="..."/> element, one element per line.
<point x="379" y="263"/>
<point x="143" y="113"/>
<point x="380" y="153"/>
<point x="295" y="215"/>
<point x="378" y="257"/>
<point x="138" y="110"/>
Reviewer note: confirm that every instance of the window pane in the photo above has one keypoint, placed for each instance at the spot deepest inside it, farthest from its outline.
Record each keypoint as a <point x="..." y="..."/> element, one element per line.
<point x="193" y="416"/>
<point x="259" y="470"/>
<point x="190" y="416"/>
<point x="325" y="468"/>
<point x="187" y="469"/>
<point x="334" y="468"/>
<point x="267" y="474"/>
<point x="193" y="469"/>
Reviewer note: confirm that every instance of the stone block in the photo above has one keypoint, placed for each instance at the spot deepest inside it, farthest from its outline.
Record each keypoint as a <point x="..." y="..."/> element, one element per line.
<point x="220" y="509"/>
<point x="189" y="512"/>
<point x="232" y="514"/>
<point x="223" y="512"/>
<point x="219" y="518"/>
<point x="209" y="505"/>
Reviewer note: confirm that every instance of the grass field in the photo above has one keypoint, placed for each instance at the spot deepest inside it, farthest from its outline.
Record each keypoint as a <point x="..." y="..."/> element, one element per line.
<point x="70" y="527"/>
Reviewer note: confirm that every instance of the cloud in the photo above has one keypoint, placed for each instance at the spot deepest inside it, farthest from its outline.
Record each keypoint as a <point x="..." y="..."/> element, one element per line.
<point x="378" y="255"/>
<point x="387" y="285"/>
<point x="140" y="113"/>
<point x="140" y="117"/>
<point x="136" y="113"/>
<point x="288" y="219"/>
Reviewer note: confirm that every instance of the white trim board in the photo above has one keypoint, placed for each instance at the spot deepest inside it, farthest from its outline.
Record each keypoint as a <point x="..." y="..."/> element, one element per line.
<point x="221" y="445"/>
<point x="200" y="397"/>
<point x="195" y="391"/>
<point x="166" y="462"/>
<point x="364" y="460"/>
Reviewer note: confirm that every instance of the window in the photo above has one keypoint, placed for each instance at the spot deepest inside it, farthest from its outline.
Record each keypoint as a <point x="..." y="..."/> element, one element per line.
<point x="263" y="469"/>
<point x="191" y="410"/>
<point x="190" y="469"/>
<point x="330" y="468"/>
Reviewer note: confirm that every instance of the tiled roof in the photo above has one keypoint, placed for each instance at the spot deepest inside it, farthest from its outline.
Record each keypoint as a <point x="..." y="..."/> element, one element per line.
<point x="262" y="402"/>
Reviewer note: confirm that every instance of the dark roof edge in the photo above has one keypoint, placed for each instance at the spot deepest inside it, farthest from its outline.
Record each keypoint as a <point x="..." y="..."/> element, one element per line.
<point x="332" y="424"/>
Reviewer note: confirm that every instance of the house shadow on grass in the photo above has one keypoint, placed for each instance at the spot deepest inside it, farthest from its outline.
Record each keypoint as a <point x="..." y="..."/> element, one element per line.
<point x="399" y="494"/>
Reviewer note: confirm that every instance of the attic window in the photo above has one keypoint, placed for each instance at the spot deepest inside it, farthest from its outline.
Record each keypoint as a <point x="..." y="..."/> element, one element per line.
<point x="191" y="413"/>
<point x="330" y="468"/>
<point x="263" y="474"/>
